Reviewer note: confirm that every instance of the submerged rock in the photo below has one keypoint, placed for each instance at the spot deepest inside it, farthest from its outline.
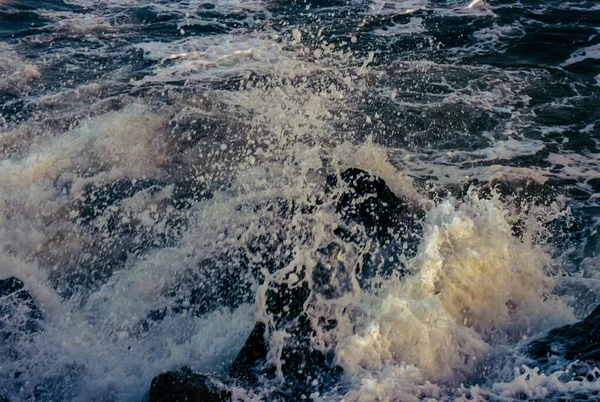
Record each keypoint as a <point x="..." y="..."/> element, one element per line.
<point x="304" y="369"/>
<point x="361" y="199"/>
<point x="20" y="318"/>
<point x="185" y="385"/>
<point x="19" y="315"/>
<point x="579" y="341"/>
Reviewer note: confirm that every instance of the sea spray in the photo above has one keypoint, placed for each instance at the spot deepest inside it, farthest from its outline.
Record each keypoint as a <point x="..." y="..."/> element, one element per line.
<point x="472" y="287"/>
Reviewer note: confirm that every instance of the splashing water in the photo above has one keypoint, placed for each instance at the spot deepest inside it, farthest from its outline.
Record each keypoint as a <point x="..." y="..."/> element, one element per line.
<point x="168" y="169"/>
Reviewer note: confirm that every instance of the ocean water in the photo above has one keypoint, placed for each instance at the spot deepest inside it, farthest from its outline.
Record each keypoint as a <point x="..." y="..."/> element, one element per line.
<point x="164" y="171"/>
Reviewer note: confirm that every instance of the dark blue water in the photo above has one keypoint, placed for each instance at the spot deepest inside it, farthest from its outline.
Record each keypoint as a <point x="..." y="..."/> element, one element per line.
<point x="168" y="166"/>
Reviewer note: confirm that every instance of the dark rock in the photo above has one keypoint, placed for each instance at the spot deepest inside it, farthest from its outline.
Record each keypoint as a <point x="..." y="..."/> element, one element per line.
<point x="391" y="223"/>
<point x="19" y="314"/>
<point x="361" y="200"/>
<point x="331" y="278"/>
<point x="20" y="320"/>
<point x="579" y="341"/>
<point x="286" y="306"/>
<point x="304" y="369"/>
<point x="252" y="356"/>
<point x="186" y="386"/>
<point x="367" y="200"/>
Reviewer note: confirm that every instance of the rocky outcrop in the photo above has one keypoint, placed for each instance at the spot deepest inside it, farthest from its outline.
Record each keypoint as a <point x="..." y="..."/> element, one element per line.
<point x="20" y="318"/>
<point x="362" y="201"/>
<point x="185" y="385"/>
<point x="579" y="341"/>
<point x="19" y="315"/>
<point x="391" y="223"/>
<point x="367" y="200"/>
<point x="304" y="369"/>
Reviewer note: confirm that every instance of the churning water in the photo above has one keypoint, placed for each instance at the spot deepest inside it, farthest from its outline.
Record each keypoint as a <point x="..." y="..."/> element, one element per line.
<point x="167" y="167"/>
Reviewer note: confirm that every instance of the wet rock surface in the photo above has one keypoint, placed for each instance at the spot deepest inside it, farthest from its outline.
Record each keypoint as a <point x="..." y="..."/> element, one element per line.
<point x="304" y="369"/>
<point x="226" y="280"/>
<point x="19" y="315"/>
<point x="579" y="341"/>
<point x="185" y="385"/>
<point x="364" y="200"/>
<point x="390" y="222"/>
<point x="368" y="200"/>
<point x="20" y="318"/>
<point x="252" y="355"/>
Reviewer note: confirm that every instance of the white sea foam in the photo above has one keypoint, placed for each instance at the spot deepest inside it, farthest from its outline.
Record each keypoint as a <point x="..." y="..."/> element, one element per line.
<point x="590" y="52"/>
<point x="385" y="7"/>
<point x="114" y="363"/>
<point x="413" y="27"/>
<point x="208" y="58"/>
<point x="217" y="57"/>
<point x="536" y="385"/>
<point x="473" y="288"/>
<point x="37" y="218"/>
<point x="15" y="71"/>
<point x="77" y="25"/>
<point x="496" y="38"/>
<point x="448" y="167"/>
